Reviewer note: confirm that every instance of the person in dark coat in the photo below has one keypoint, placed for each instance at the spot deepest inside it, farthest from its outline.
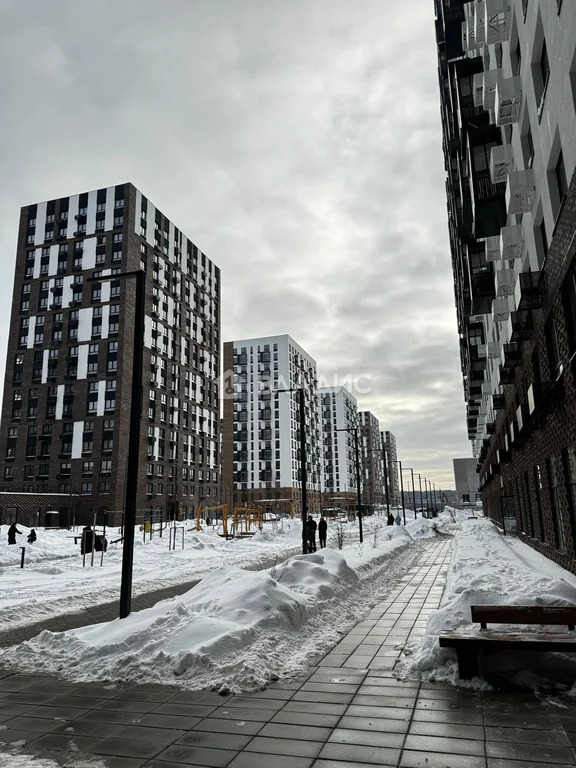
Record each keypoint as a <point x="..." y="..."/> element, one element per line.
<point x="12" y="531"/>
<point x="311" y="530"/>
<point x="390" y="519"/>
<point x="322" y="529"/>
<point x="32" y="536"/>
<point x="87" y="540"/>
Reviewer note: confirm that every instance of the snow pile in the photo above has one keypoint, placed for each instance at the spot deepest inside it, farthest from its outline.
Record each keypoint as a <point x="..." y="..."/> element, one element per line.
<point x="236" y="630"/>
<point x="488" y="568"/>
<point x="16" y="759"/>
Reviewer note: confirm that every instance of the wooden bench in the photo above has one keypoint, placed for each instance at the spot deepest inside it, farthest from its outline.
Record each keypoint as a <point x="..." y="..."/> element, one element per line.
<point x="468" y="642"/>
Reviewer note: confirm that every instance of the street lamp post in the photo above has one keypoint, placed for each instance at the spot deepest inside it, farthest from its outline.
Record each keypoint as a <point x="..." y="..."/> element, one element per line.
<point x="386" y="488"/>
<point x="358" y="490"/>
<point x="402" y="491"/>
<point x="134" y="437"/>
<point x="303" y="474"/>
<point x="420" y="486"/>
<point x="413" y="491"/>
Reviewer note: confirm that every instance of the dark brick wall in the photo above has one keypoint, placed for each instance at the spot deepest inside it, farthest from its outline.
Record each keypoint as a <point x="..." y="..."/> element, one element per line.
<point x="545" y="512"/>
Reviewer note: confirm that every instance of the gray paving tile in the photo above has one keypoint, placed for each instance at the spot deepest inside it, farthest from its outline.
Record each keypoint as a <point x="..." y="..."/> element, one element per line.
<point x="292" y="747"/>
<point x="318" y="696"/>
<point x="287" y="731"/>
<point x="314" y="707"/>
<point x="367" y="738"/>
<point x="186" y="710"/>
<point x="497" y="762"/>
<point x="199" y="697"/>
<point x="374" y="724"/>
<point x="88" y="728"/>
<point x="22" y="697"/>
<point x="107" y="717"/>
<point x="197" y="756"/>
<point x="256" y="760"/>
<point x="237" y="713"/>
<point x="272" y="693"/>
<point x="8" y="736"/>
<point x="327" y="687"/>
<point x="139" y="695"/>
<point x="244" y="702"/>
<point x="127" y="706"/>
<point x="354" y="752"/>
<point x="305" y="718"/>
<point x="448" y="730"/>
<point x="122" y="747"/>
<point x="442" y="744"/>
<point x="11" y="709"/>
<point x="65" y="742"/>
<point x="167" y="721"/>
<point x="555" y="738"/>
<point x="388" y="713"/>
<point x="124" y="762"/>
<point x="149" y="733"/>
<point x="415" y="759"/>
<point x="402" y="702"/>
<point x="525" y="752"/>
<point x="232" y="741"/>
<point x="448" y="716"/>
<point x="217" y="725"/>
<point x="25" y="723"/>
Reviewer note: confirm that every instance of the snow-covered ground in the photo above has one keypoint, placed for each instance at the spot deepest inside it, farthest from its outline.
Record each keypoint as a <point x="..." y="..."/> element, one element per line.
<point x="238" y="630"/>
<point x="489" y="568"/>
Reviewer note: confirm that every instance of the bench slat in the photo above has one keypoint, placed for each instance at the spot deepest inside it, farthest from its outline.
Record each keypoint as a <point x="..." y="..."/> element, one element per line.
<point x="529" y="641"/>
<point x="524" y="614"/>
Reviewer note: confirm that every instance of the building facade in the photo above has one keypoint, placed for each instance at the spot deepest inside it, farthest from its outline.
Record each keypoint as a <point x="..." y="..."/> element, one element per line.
<point x="339" y="419"/>
<point x="508" y="92"/>
<point x="69" y="372"/>
<point x="371" y="459"/>
<point x="261" y="433"/>
<point x="388" y="440"/>
<point x="466" y="479"/>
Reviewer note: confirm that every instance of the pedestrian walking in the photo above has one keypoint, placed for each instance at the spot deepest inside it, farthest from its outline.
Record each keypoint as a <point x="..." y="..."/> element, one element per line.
<point x="31" y="537"/>
<point x="398" y="519"/>
<point x="322" y="530"/>
<point x="311" y="531"/>
<point x="12" y="531"/>
<point x="390" y="519"/>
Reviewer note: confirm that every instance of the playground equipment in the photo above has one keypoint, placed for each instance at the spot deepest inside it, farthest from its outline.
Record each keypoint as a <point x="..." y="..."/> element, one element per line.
<point x="222" y="507"/>
<point x="244" y="517"/>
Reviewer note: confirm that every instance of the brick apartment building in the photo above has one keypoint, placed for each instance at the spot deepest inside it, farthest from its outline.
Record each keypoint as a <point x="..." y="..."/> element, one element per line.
<point x="68" y="381"/>
<point x="507" y="73"/>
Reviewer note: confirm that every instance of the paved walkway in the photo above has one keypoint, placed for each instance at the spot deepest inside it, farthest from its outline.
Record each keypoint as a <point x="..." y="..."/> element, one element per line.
<point x="349" y="712"/>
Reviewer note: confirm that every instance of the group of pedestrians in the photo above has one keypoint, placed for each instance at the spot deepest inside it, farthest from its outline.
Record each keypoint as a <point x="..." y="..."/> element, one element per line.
<point x="13" y="530"/>
<point x="311" y="527"/>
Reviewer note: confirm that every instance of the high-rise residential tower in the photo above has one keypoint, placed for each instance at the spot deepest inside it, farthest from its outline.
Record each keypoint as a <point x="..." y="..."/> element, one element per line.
<point x="68" y="383"/>
<point x="261" y="434"/>
<point x="388" y="440"/>
<point x="507" y="71"/>
<point x="339" y="419"/>
<point x="371" y="459"/>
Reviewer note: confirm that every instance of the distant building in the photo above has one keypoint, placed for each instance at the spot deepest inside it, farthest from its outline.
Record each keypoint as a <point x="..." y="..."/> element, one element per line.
<point x="388" y="440"/>
<point x="371" y="459"/>
<point x="338" y="412"/>
<point x="466" y="479"/>
<point x="68" y="383"/>
<point x="261" y="432"/>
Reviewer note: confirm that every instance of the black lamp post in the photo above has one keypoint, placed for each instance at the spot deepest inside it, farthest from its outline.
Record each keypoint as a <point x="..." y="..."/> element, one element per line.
<point x="420" y="486"/>
<point x="134" y="437"/>
<point x="402" y="491"/>
<point x="413" y="491"/>
<point x="303" y="475"/>
<point x="358" y="489"/>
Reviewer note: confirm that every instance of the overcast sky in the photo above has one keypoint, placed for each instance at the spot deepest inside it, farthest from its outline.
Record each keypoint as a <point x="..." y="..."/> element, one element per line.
<point x="297" y="142"/>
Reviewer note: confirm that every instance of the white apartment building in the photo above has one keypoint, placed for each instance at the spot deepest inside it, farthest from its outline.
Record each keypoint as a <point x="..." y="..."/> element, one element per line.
<point x="338" y="412"/>
<point x="371" y="459"/>
<point x="261" y="440"/>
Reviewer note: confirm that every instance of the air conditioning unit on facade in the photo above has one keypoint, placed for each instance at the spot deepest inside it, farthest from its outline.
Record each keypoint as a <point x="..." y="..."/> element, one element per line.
<point x="505" y="282"/>
<point x="511" y="241"/>
<point x="480" y="23"/>
<point x="500" y="309"/>
<point x="491" y="79"/>
<point x="497" y="17"/>
<point x="520" y="191"/>
<point x="508" y="100"/>
<point x="478" y="89"/>
<point x="493" y="249"/>
<point x="501" y="161"/>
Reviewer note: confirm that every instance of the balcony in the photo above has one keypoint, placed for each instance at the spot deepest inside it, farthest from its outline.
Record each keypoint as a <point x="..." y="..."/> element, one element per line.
<point x="505" y="282"/>
<point x="522" y="325"/>
<point x="511" y="241"/>
<point x="491" y="350"/>
<point x="530" y="290"/>
<point x="491" y="79"/>
<point x="497" y="21"/>
<point x="501" y="309"/>
<point x="520" y="192"/>
<point x="507" y="376"/>
<point x="498" y="402"/>
<point x="493" y="249"/>
<point x="501" y="161"/>
<point x="508" y="101"/>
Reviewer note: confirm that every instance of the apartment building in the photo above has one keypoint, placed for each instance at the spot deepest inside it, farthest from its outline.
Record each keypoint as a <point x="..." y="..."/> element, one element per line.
<point x="388" y="441"/>
<point x="339" y="419"/>
<point x="371" y="459"/>
<point x="261" y="433"/>
<point x="69" y="373"/>
<point x="507" y="71"/>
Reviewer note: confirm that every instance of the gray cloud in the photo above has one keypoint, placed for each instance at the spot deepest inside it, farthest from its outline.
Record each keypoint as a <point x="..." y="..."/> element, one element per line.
<point x="297" y="143"/>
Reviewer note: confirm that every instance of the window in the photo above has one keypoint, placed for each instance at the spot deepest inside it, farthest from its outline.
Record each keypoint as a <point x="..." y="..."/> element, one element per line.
<point x="561" y="178"/>
<point x="86" y="489"/>
<point x="106" y="466"/>
<point x="544" y="67"/>
<point x="552" y="349"/>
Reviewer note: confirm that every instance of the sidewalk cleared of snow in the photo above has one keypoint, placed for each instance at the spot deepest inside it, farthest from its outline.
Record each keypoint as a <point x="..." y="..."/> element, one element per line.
<point x="237" y="630"/>
<point x="489" y="568"/>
